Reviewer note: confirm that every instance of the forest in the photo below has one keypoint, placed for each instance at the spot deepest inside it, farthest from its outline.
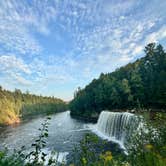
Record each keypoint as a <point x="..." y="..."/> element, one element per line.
<point x="16" y="105"/>
<point x="141" y="84"/>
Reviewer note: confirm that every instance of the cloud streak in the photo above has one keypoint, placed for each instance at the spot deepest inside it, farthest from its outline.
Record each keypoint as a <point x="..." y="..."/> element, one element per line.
<point x="47" y="44"/>
<point x="10" y="62"/>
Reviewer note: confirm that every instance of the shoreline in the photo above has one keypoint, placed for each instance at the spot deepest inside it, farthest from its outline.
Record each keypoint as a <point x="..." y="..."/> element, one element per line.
<point x="151" y="111"/>
<point x="28" y="117"/>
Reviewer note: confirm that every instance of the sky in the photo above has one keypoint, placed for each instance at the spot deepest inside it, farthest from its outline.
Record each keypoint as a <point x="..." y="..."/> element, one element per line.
<point x="51" y="47"/>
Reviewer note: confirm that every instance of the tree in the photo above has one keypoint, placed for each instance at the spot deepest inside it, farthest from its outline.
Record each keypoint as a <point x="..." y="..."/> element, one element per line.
<point x="150" y="49"/>
<point x="139" y="83"/>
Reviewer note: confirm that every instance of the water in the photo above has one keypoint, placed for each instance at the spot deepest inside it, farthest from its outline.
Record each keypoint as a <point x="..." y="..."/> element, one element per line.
<point x="64" y="133"/>
<point x="116" y="126"/>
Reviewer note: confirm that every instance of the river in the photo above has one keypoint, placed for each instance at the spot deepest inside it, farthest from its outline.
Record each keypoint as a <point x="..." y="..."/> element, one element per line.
<point x="64" y="133"/>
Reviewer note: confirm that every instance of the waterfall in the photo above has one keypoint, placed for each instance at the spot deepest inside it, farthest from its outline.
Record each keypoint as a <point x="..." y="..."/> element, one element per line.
<point x="116" y="126"/>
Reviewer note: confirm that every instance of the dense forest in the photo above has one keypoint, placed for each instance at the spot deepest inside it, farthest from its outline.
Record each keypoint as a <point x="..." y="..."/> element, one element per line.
<point x="16" y="105"/>
<point x="138" y="84"/>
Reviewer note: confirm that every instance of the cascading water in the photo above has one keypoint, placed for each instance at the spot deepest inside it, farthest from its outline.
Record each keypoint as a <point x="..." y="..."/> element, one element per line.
<point x="116" y="126"/>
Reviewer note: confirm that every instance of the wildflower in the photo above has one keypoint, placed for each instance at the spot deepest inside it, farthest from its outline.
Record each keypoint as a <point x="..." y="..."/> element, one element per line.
<point x="148" y="146"/>
<point x="107" y="156"/>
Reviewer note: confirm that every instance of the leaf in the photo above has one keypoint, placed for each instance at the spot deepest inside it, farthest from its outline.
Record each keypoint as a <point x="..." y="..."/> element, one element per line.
<point x="44" y="154"/>
<point x="37" y="140"/>
<point x="46" y="134"/>
<point x="33" y="145"/>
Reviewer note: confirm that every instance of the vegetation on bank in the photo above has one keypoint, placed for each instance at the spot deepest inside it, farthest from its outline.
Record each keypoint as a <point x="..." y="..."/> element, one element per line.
<point x="146" y="147"/>
<point x="14" y="105"/>
<point x="138" y="84"/>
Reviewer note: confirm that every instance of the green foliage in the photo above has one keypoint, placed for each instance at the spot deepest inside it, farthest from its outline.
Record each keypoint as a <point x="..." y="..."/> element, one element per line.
<point x="36" y="157"/>
<point x="13" y="160"/>
<point x="148" y="146"/>
<point x="39" y="144"/>
<point x="85" y="153"/>
<point x="91" y="152"/>
<point x="14" y="105"/>
<point x="138" y="84"/>
<point x="145" y="148"/>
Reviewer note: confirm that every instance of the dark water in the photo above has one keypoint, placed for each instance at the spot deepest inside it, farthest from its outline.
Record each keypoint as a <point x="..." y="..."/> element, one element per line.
<point x="64" y="133"/>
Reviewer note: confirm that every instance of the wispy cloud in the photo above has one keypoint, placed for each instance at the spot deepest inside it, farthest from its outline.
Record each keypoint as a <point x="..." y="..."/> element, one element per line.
<point x="10" y="62"/>
<point x="20" y="79"/>
<point x="47" y="44"/>
<point x="20" y="20"/>
<point x="156" y="36"/>
<point x="15" y="68"/>
<point x="16" y="38"/>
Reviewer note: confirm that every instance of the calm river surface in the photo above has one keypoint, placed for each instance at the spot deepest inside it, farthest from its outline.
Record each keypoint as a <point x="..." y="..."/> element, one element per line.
<point x="64" y="133"/>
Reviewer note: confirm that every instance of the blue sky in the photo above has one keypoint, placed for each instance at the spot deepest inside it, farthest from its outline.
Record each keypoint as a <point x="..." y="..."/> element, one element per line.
<point x="51" y="47"/>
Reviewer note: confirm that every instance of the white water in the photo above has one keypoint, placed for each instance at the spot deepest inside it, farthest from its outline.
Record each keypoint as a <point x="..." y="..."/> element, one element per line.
<point x="115" y="126"/>
<point x="58" y="157"/>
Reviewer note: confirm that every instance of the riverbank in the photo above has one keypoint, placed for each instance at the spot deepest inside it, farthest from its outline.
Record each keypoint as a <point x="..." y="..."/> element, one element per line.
<point x="147" y="113"/>
<point x="9" y="120"/>
<point x="17" y="105"/>
<point x="85" y="118"/>
<point x="19" y="119"/>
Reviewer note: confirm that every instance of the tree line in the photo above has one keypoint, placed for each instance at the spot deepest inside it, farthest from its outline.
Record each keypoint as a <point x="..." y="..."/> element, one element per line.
<point x="16" y="105"/>
<point x="138" y="84"/>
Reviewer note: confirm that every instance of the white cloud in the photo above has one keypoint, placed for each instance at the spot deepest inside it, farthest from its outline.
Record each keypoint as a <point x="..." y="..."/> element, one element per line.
<point x="20" y="79"/>
<point x="124" y="59"/>
<point x="14" y="37"/>
<point x="156" y="36"/>
<point x="14" y="68"/>
<point x="137" y="50"/>
<point x="18" y="21"/>
<point x="118" y="8"/>
<point x="98" y="36"/>
<point x="10" y="62"/>
<point x="57" y="72"/>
